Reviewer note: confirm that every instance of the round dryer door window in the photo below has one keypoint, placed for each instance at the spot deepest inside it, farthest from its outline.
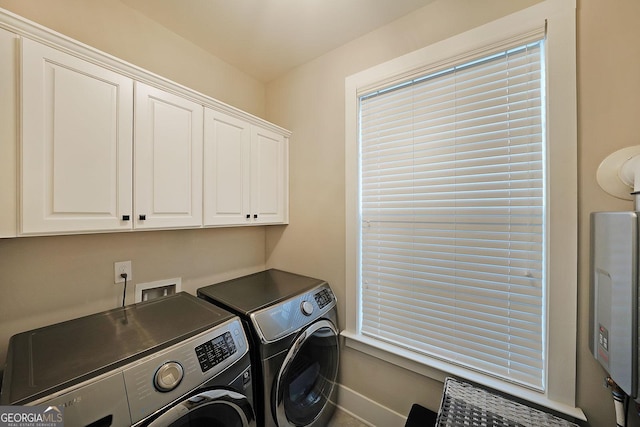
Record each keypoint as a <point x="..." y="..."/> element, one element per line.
<point x="307" y="379"/>
<point x="213" y="408"/>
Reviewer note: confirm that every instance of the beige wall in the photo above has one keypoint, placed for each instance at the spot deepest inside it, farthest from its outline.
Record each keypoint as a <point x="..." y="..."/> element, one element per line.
<point x="50" y="279"/>
<point x="310" y="102"/>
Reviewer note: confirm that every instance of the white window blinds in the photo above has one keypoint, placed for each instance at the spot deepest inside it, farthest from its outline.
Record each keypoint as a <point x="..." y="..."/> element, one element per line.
<point x="452" y="206"/>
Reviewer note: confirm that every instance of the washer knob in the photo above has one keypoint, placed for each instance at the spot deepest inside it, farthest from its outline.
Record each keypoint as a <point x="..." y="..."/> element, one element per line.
<point x="307" y="308"/>
<point x="168" y="376"/>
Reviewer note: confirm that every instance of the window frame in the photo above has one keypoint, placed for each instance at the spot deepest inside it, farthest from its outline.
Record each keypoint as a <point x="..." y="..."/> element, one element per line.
<point x="561" y="211"/>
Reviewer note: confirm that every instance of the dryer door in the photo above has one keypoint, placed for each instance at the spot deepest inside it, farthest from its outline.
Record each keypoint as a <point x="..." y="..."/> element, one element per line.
<point x="306" y="383"/>
<point x="213" y="408"/>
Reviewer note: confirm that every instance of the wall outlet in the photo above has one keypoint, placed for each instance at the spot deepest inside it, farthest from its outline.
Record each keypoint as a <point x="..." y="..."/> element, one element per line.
<point x="123" y="267"/>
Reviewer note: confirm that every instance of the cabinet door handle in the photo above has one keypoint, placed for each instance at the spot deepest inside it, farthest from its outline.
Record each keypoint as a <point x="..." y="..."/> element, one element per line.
<point x="248" y="216"/>
<point x="125" y="217"/>
<point x="255" y="215"/>
<point x="142" y="217"/>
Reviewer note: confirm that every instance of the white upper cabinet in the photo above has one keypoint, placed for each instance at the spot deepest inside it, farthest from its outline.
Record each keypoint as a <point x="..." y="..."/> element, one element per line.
<point x="245" y="173"/>
<point x="90" y="143"/>
<point x="168" y="159"/>
<point x="8" y="135"/>
<point x="77" y="118"/>
<point x="269" y="177"/>
<point x="227" y="174"/>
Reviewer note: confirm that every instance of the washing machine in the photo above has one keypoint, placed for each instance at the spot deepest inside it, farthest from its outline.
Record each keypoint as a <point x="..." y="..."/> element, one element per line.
<point x="291" y="321"/>
<point x="171" y="361"/>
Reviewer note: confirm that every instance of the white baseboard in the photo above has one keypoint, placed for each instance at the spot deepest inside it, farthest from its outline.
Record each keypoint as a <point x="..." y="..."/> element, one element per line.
<point x="367" y="410"/>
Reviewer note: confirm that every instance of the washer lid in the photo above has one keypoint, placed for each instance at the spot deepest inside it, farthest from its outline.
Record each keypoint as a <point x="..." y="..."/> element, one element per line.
<point x="49" y="359"/>
<point x="248" y="294"/>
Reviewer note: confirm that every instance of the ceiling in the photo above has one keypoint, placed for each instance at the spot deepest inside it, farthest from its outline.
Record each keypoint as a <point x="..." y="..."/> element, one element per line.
<point x="266" y="38"/>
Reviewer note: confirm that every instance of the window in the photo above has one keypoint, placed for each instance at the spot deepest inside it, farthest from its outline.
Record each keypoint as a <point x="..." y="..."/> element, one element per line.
<point x="452" y="214"/>
<point x="462" y="207"/>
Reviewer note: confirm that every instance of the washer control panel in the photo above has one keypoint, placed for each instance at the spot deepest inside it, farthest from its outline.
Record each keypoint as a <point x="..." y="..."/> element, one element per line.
<point x="280" y="320"/>
<point x="215" y="351"/>
<point x="159" y="379"/>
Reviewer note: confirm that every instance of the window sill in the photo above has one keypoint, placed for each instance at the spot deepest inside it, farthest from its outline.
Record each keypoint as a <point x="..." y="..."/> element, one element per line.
<point x="439" y="370"/>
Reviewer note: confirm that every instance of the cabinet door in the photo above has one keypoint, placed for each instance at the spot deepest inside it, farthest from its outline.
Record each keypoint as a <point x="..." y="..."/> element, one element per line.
<point x="227" y="170"/>
<point x="269" y="177"/>
<point x="168" y="160"/>
<point x="76" y="147"/>
<point x="8" y="134"/>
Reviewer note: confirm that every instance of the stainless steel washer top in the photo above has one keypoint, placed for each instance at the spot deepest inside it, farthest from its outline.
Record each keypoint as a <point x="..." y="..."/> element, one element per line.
<point x="249" y="294"/>
<point x="49" y="359"/>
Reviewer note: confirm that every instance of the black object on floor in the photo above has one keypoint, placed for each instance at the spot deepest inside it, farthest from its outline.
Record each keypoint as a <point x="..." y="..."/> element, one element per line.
<point x="419" y="416"/>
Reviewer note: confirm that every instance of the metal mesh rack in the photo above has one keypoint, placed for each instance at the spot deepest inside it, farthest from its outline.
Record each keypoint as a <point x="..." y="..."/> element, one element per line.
<point x="464" y="405"/>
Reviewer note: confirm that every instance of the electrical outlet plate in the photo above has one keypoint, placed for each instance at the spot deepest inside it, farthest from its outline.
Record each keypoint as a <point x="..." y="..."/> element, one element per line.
<point x="123" y="267"/>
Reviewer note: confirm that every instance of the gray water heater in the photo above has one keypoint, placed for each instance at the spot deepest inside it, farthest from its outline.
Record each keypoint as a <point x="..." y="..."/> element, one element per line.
<point x="614" y="296"/>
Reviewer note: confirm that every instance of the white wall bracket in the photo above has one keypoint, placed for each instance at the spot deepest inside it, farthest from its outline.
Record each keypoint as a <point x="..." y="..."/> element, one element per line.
<point x="619" y="173"/>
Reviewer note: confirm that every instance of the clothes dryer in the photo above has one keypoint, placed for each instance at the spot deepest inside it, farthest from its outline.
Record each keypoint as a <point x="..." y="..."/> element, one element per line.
<point x="172" y="361"/>
<point x="291" y="321"/>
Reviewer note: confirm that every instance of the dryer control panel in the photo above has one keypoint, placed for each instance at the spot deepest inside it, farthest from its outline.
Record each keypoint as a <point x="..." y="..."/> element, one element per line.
<point x="285" y="318"/>
<point x="324" y="297"/>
